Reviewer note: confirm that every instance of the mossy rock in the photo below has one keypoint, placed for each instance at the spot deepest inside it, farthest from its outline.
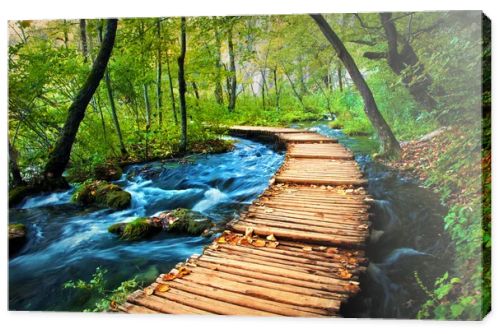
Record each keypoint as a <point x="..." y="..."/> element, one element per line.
<point x="107" y="172"/>
<point x="182" y="221"/>
<point x="17" y="237"/>
<point x="102" y="194"/>
<point x="17" y="194"/>
<point x="185" y="221"/>
<point x="138" y="229"/>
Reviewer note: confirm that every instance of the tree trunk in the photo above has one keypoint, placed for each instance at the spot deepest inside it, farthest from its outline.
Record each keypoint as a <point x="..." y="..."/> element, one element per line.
<point x="147" y="105"/>
<point x="182" y="87"/>
<point x="195" y="90"/>
<point x="83" y="38"/>
<point x="339" y="75"/>
<point x="276" y="88"/>
<point x="66" y="37"/>
<point x="114" y="115"/>
<point x="407" y="64"/>
<point x="17" y="179"/>
<point x="219" y="97"/>
<point x="232" y="70"/>
<point x="263" y="88"/>
<point x="97" y="106"/>
<point x="390" y="146"/>
<point x="158" y="74"/>
<point x="295" y="92"/>
<point x="59" y="156"/>
<point x="171" y="87"/>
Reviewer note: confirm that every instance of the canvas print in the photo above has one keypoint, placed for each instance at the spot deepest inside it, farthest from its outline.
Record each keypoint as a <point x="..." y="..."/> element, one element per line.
<point x="314" y="165"/>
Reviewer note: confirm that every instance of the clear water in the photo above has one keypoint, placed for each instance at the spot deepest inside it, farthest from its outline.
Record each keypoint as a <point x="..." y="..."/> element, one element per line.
<point x="67" y="242"/>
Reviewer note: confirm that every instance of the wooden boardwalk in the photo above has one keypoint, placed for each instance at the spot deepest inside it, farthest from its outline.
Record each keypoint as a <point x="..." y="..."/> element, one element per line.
<point x="296" y="251"/>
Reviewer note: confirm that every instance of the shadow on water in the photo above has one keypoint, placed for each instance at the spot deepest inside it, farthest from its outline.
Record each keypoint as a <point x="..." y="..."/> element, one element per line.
<point x="67" y="242"/>
<point x="407" y="237"/>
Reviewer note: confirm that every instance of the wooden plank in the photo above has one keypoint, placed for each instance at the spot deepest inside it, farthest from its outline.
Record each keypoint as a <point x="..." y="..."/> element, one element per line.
<point x="264" y="293"/>
<point x="162" y="305"/>
<point x="244" y="300"/>
<point x="131" y="308"/>
<point x="210" y="305"/>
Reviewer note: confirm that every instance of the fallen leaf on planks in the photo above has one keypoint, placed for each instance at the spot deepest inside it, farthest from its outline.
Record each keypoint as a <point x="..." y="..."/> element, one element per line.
<point x="248" y="232"/>
<point x="162" y="287"/>
<point x="259" y="243"/>
<point x="221" y="240"/>
<point x="344" y="274"/>
<point x="183" y="271"/>
<point x="272" y="244"/>
<point x="332" y="250"/>
<point x="148" y="291"/>
<point x="307" y="248"/>
<point x="268" y="210"/>
<point x="271" y="237"/>
<point x="169" y="277"/>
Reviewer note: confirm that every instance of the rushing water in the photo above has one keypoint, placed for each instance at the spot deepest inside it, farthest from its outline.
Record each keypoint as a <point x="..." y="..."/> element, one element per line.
<point x="67" y="242"/>
<point x="407" y="237"/>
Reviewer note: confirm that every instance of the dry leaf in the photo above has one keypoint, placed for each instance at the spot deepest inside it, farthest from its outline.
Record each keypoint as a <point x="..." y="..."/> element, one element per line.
<point x="272" y="244"/>
<point x="183" y="272"/>
<point x="221" y="240"/>
<point x="248" y="232"/>
<point x="322" y="248"/>
<point x="332" y="250"/>
<point x="268" y="210"/>
<point x="148" y="291"/>
<point x="307" y="248"/>
<point x="113" y="305"/>
<point x="162" y="287"/>
<point x="169" y="277"/>
<point x="271" y="237"/>
<point x="344" y="274"/>
<point x="259" y="243"/>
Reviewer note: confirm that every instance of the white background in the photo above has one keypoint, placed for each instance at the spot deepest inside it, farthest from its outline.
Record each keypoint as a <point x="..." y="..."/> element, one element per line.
<point x="45" y="322"/>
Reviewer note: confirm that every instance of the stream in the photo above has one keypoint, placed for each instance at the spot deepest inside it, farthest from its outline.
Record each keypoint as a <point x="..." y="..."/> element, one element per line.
<point x="67" y="242"/>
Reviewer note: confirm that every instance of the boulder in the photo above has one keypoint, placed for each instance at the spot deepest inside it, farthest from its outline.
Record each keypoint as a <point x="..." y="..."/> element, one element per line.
<point x="181" y="221"/>
<point x="102" y="194"/>
<point x="17" y="237"/>
<point x="138" y="229"/>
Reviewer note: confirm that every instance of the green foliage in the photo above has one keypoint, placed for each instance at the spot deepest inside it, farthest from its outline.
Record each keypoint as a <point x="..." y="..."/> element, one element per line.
<point x="444" y="304"/>
<point x="103" y="299"/>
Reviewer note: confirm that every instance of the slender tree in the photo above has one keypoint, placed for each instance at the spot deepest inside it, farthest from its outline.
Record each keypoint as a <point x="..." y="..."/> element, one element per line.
<point x="171" y="87"/>
<point x="232" y="71"/>
<point x="109" y="90"/>
<point x="390" y="145"/>
<point x="219" y="97"/>
<point x="158" y="73"/>
<point x="83" y="39"/>
<point x="182" y="87"/>
<point x="59" y="156"/>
